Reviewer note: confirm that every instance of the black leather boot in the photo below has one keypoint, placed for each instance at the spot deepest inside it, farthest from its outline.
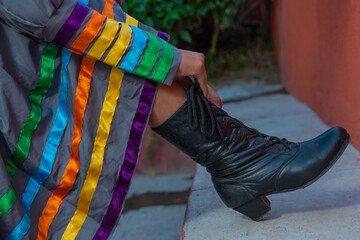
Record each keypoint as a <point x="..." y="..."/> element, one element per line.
<point x="246" y="165"/>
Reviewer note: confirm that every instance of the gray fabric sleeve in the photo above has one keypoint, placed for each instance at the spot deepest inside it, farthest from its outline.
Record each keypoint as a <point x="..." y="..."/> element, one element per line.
<point x="174" y="67"/>
<point x="39" y="19"/>
<point x="45" y="21"/>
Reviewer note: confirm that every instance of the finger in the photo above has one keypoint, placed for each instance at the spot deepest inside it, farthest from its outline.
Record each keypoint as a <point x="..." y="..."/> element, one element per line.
<point x="204" y="89"/>
<point x="202" y="80"/>
<point x="214" y="97"/>
<point x="220" y="103"/>
<point x="216" y="101"/>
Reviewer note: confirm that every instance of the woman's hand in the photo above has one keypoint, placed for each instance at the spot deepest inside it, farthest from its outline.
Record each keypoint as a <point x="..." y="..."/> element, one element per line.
<point x="193" y="64"/>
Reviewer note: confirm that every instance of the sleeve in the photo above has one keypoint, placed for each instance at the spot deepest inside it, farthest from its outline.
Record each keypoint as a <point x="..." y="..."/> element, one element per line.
<point x="82" y="30"/>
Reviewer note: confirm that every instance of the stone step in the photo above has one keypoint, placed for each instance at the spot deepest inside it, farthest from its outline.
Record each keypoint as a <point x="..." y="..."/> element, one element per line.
<point x="154" y="208"/>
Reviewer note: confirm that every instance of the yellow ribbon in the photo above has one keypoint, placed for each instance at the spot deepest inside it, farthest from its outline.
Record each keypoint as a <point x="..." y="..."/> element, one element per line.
<point x="105" y="39"/>
<point x="131" y="21"/>
<point x="97" y="157"/>
<point x="120" y="46"/>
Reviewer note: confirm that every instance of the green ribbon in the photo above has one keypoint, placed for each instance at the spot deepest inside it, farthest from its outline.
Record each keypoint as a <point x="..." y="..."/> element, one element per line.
<point x="150" y="56"/>
<point x="165" y="62"/>
<point x="18" y="157"/>
<point x="7" y="201"/>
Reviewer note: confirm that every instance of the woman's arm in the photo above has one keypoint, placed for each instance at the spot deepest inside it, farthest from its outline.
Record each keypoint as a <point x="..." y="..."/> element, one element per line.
<point x="82" y="30"/>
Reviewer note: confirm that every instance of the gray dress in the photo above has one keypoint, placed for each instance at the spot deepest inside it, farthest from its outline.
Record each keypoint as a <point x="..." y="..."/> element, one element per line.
<point x="77" y="83"/>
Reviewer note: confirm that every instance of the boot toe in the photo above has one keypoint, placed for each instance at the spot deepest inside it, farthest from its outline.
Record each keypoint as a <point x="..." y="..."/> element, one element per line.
<point x="313" y="159"/>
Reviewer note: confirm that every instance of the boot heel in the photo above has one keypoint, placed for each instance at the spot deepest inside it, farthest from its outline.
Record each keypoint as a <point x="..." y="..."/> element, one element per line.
<point x="255" y="209"/>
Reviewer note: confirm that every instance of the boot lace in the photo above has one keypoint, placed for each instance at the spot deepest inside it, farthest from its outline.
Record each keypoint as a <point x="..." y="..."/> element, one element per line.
<point x="197" y="98"/>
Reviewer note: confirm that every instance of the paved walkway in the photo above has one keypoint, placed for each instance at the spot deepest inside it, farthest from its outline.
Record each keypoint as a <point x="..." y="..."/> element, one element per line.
<point x="327" y="210"/>
<point x="155" y="207"/>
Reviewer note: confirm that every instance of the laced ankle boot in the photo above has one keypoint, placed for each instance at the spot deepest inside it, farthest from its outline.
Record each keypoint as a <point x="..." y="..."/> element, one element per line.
<point x="246" y="165"/>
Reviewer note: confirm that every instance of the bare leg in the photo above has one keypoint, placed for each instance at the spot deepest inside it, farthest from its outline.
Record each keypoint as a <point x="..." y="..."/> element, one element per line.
<point x="168" y="99"/>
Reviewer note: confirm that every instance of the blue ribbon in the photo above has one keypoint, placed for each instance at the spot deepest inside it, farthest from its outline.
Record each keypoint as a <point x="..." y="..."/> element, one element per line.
<point x="48" y="157"/>
<point x="133" y="55"/>
<point x="50" y="150"/>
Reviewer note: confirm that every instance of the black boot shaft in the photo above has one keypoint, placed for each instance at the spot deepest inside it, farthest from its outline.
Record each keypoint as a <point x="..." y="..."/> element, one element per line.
<point x="247" y="165"/>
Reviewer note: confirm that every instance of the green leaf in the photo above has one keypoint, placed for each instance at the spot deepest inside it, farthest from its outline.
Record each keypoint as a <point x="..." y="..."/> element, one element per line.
<point x="185" y="35"/>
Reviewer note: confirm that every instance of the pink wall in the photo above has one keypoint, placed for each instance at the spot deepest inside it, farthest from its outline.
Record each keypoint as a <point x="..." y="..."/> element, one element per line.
<point x="317" y="43"/>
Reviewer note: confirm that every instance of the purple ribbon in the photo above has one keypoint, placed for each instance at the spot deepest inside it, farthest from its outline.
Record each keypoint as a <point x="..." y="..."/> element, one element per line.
<point x="131" y="155"/>
<point x="164" y="36"/>
<point x="71" y="25"/>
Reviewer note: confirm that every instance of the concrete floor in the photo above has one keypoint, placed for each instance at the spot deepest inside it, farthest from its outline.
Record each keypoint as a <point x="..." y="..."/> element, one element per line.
<point x="152" y="221"/>
<point x="327" y="210"/>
